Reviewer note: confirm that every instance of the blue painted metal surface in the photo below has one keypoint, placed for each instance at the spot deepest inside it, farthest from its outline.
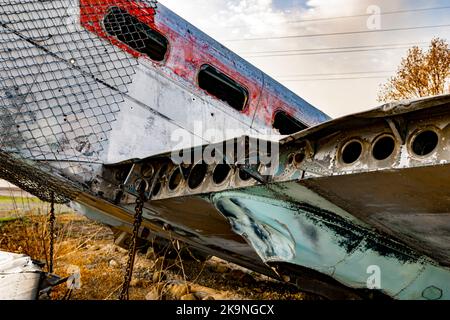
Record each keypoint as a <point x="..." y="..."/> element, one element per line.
<point x="280" y="231"/>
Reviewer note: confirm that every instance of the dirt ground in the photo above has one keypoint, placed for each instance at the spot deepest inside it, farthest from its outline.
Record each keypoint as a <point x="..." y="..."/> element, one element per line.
<point x="86" y="248"/>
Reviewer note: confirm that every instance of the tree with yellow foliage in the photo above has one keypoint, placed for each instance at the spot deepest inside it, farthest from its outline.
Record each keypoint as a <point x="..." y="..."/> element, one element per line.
<point x="420" y="74"/>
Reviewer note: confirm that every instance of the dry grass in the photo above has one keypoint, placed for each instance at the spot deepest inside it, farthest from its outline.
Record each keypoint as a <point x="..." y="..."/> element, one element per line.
<point x="31" y="238"/>
<point x="88" y="246"/>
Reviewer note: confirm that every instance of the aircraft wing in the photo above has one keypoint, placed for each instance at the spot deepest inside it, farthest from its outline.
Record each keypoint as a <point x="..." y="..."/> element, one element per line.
<point x="362" y="192"/>
<point x="87" y="115"/>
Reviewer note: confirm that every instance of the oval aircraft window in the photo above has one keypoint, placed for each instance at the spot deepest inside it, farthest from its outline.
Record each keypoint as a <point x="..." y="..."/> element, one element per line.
<point x="286" y="124"/>
<point x="135" y="34"/>
<point x="222" y="87"/>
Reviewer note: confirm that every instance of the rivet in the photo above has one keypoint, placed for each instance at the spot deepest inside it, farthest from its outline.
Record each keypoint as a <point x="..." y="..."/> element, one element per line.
<point x="432" y="293"/>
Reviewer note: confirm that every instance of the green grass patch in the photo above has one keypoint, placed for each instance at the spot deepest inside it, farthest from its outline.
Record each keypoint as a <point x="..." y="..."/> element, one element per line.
<point x="10" y="199"/>
<point x="7" y="220"/>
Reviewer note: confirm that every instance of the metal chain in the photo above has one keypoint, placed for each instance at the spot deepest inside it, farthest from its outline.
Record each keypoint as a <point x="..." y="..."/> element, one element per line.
<point x="51" y="222"/>
<point x="140" y="200"/>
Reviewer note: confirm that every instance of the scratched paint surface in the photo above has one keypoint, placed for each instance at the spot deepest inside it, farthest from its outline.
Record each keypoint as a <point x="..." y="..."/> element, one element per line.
<point x="322" y="214"/>
<point x="190" y="49"/>
<point x="97" y="102"/>
<point x="282" y="232"/>
<point x="80" y="94"/>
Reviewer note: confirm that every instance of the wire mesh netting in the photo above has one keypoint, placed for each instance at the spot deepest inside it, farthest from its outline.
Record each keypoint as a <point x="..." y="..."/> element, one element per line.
<point x="62" y="81"/>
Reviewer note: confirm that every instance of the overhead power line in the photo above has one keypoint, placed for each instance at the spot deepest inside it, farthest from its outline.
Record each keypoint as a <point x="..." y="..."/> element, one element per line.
<point x="332" y="74"/>
<point x="335" y="48"/>
<point x="370" y="14"/>
<point x="331" y="79"/>
<point x="343" y="17"/>
<point x="337" y="33"/>
<point x="324" y="52"/>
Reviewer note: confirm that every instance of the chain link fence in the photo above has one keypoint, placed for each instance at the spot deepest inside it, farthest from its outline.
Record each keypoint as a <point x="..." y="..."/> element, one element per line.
<point x="62" y="82"/>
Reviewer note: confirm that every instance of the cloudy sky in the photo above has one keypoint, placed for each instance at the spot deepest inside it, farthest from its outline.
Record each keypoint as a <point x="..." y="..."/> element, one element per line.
<point x="338" y="73"/>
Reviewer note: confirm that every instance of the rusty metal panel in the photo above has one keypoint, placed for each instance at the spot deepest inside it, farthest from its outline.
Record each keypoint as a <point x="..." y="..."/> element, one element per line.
<point x="73" y="97"/>
<point x="89" y="117"/>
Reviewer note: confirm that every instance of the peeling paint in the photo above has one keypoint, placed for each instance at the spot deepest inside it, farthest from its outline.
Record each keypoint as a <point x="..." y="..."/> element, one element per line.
<point x="344" y="252"/>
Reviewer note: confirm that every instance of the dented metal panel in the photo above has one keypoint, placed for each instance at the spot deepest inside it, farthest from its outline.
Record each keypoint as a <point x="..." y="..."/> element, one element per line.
<point x="19" y="277"/>
<point x="337" y="218"/>
<point x="282" y="232"/>
<point x="73" y="97"/>
<point x="88" y="118"/>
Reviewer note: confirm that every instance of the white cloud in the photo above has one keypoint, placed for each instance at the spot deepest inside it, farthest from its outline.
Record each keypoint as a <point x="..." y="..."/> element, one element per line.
<point x="237" y="19"/>
<point x="221" y="18"/>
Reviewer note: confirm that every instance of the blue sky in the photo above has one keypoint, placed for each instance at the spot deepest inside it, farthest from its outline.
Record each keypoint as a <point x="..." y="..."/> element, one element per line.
<point x="289" y="4"/>
<point x="337" y="83"/>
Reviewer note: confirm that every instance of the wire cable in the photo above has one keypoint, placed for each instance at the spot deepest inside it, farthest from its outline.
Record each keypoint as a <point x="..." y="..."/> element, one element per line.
<point x="337" y="33"/>
<point x="343" y="17"/>
<point x="325" y="52"/>
<point x="332" y="79"/>
<point x="333" y="74"/>
<point x="394" y="45"/>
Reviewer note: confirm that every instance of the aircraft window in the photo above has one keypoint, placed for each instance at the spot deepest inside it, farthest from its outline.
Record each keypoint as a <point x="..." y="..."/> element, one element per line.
<point x="286" y="124"/>
<point x="137" y="35"/>
<point x="222" y="87"/>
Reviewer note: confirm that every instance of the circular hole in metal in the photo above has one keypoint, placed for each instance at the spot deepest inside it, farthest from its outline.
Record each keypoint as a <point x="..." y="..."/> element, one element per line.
<point x="299" y="157"/>
<point x="351" y="152"/>
<point x="290" y="159"/>
<point x="197" y="176"/>
<point x="244" y="176"/>
<point x="156" y="188"/>
<point x="175" y="179"/>
<point x="221" y="173"/>
<point x="147" y="170"/>
<point x="425" y="143"/>
<point x="383" y="148"/>
<point x="141" y="185"/>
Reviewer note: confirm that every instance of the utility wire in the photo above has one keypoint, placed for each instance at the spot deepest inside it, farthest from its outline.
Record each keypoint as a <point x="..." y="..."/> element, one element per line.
<point x="331" y="79"/>
<point x="324" y="52"/>
<point x="333" y="74"/>
<point x="343" y="17"/>
<point x="336" y="33"/>
<point x="336" y="48"/>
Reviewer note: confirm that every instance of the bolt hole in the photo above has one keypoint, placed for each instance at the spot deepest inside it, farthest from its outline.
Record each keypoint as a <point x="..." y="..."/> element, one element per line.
<point x="147" y="171"/>
<point x="290" y="159"/>
<point x="425" y="143"/>
<point x="141" y="185"/>
<point x="383" y="148"/>
<point x="221" y="173"/>
<point x="156" y="188"/>
<point x="244" y="176"/>
<point x="351" y="152"/>
<point x="299" y="157"/>
<point x="175" y="179"/>
<point x="197" y="176"/>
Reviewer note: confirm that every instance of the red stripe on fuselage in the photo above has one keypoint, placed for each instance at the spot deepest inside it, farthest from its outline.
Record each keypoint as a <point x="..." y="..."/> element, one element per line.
<point x="185" y="56"/>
